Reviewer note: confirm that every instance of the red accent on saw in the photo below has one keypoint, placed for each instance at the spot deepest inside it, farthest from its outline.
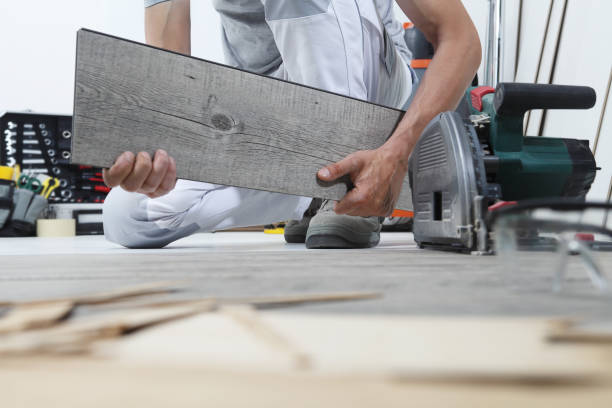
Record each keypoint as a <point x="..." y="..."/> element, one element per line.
<point x="477" y="94"/>
<point x="501" y="204"/>
<point x="581" y="236"/>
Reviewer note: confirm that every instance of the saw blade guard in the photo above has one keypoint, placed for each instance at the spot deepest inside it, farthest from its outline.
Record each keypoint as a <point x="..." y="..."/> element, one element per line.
<point x="446" y="171"/>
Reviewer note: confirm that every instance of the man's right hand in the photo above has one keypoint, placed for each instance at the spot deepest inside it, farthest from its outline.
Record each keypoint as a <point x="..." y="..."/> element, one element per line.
<point x="141" y="174"/>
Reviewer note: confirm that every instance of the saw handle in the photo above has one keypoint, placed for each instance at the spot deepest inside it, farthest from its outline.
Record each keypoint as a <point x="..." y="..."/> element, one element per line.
<point x="517" y="98"/>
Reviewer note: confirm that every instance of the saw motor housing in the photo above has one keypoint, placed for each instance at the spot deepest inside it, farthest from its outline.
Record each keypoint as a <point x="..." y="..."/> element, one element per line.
<point x="464" y="163"/>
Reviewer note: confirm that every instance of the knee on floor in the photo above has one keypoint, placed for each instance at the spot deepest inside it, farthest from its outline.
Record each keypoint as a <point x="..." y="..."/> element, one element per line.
<point x="126" y="222"/>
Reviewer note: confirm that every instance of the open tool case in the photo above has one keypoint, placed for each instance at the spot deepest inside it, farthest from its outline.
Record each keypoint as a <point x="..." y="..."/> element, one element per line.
<point x="41" y="144"/>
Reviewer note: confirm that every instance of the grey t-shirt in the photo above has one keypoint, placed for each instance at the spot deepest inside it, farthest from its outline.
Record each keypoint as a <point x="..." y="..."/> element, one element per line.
<point x="248" y="42"/>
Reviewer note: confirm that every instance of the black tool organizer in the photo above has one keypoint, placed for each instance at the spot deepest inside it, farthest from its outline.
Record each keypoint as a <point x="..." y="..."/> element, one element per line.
<point x="41" y="144"/>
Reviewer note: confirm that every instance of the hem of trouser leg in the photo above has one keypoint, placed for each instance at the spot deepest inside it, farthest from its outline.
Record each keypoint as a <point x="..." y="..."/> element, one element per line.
<point x="302" y="207"/>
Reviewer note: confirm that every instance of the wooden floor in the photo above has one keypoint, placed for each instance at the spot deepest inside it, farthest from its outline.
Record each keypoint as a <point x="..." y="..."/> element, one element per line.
<point x="411" y="281"/>
<point x="347" y="354"/>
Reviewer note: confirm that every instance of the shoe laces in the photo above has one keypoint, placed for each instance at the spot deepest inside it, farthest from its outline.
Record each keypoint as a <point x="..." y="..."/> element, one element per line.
<point x="314" y="206"/>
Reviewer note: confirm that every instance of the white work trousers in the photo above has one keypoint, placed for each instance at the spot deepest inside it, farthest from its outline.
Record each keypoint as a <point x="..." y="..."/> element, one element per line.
<point x="341" y="50"/>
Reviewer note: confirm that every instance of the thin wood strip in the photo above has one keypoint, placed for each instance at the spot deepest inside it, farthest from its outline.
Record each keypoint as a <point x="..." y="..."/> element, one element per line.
<point x="571" y="332"/>
<point x="261" y="301"/>
<point x="145" y="289"/>
<point x="490" y="379"/>
<point x="603" y="113"/>
<point x="518" y="38"/>
<point x="35" y="316"/>
<point x="553" y="69"/>
<point x="247" y="317"/>
<point x="77" y="336"/>
<point x="221" y="124"/>
<point x="541" y="57"/>
<point x="304" y="298"/>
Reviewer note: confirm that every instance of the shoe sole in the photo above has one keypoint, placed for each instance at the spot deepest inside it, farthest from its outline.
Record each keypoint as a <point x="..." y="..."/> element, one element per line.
<point x="328" y="241"/>
<point x="295" y="239"/>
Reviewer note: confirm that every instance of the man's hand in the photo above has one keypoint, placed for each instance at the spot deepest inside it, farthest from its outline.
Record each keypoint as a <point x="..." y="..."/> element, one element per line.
<point x="377" y="176"/>
<point x="141" y="174"/>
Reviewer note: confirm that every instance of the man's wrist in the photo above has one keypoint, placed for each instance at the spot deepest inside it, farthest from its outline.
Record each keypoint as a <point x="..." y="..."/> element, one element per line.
<point x="407" y="133"/>
<point x="401" y="142"/>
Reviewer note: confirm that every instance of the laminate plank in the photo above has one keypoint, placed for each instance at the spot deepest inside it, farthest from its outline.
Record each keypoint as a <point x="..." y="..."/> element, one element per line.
<point x="222" y="125"/>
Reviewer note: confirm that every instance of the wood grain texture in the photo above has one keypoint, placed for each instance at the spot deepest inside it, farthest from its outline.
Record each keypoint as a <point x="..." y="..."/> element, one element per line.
<point x="254" y="265"/>
<point x="221" y="124"/>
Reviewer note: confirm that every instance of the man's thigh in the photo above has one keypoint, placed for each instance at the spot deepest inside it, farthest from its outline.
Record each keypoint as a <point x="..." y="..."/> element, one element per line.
<point x="135" y="220"/>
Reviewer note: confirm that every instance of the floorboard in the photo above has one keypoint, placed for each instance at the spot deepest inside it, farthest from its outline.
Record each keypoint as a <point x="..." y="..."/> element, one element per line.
<point x="221" y="124"/>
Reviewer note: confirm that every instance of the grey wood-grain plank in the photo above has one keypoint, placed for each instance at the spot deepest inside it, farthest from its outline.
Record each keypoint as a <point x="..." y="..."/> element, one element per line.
<point x="222" y="125"/>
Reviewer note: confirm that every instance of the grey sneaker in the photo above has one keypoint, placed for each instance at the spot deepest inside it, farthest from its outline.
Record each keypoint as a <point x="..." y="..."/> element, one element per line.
<point x="330" y="230"/>
<point x="295" y="230"/>
<point x="398" y="224"/>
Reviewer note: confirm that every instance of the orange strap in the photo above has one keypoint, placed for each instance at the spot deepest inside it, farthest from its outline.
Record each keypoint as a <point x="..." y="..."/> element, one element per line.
<point x="402" y="213"/>
<point x="420" y="63"/>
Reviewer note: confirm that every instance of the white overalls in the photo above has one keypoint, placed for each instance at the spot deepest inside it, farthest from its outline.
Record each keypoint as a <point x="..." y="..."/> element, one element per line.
<point x="336" y="45"/>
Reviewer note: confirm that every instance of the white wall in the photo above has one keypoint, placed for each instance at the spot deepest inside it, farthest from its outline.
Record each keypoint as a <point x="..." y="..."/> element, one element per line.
<point x="577" y="52"/>
<point x="37" y="42"/>
<point x="37" y="52"/>
<point x="37" y="45"/>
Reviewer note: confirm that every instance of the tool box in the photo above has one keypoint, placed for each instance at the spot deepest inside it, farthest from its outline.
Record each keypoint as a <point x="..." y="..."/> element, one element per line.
<point x="40" y="144"/>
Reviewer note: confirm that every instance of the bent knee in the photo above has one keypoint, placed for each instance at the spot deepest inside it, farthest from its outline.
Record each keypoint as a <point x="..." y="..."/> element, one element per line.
<point x="126" y="222"/>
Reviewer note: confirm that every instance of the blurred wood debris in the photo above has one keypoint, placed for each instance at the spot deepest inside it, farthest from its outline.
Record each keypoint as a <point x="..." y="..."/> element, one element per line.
<point x="46" y="326"/>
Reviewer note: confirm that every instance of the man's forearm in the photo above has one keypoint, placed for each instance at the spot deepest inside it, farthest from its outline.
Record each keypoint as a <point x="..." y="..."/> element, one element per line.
<point x="457" y="57"/>
<point x="168" y="25"/>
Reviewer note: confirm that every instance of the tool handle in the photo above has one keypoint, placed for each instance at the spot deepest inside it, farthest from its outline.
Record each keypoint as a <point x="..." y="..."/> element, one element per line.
<point x="6" y="200"/>
<point x="21" y="201"/>
<point x="517" y="98"/>
<point x="35" y="210"/>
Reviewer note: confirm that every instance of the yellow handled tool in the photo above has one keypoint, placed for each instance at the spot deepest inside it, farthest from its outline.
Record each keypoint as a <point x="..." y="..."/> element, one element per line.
<point x="17" y="173"/>
<point x="6" y="173"/>
<point x="50" y="185"/>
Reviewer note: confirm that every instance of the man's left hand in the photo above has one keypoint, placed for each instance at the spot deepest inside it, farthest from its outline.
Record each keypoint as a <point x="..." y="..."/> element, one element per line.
<point x="377" y="176"/>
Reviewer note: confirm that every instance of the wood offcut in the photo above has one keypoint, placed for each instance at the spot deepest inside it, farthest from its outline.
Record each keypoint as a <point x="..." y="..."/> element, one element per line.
<point x="221" y="124"/>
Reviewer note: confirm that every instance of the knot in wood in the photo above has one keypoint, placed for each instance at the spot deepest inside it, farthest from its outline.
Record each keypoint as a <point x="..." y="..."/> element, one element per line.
<point x="222" y="122"/>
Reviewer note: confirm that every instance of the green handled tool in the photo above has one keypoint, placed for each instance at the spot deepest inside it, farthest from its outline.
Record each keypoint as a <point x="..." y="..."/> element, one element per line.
<point x="30" y="183"/>
<point x="533" y="166"/>
<point x="469" y="159"/>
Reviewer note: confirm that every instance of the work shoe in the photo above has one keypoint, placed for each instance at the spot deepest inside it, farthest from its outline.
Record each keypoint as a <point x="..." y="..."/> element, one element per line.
<point x="295" y="230"/>
<point x="330" y="230"/>
<point x="398" y="224"/>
